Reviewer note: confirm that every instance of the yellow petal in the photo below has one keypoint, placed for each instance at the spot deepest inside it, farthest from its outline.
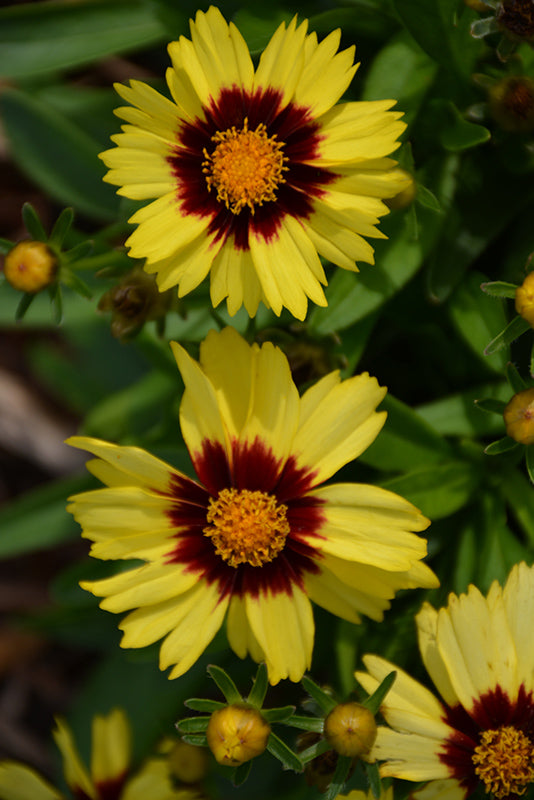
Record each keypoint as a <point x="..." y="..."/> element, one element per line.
<point x="75" y="773"/>
<point x="326" y="74"/>
<point x="427" y="624"/>
<point x="110" y="756"/>
<point x="282" y="61"/>
<point x="141" y="586"/>
<point x="518" y="596"/>
<point x="18" y="782"/>
<point x="233" y="276"/>
<point x="240" y="636"/>
<point x="411" y="757"/>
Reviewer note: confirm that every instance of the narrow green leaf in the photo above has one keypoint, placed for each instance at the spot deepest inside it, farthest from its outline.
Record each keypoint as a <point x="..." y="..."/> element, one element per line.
<point x="284" y="754"/>
<point x="325" y="701"/>
<point x="499" y="289"/>
<point x="241" y="773"/>
<point x="529" y="460"/>
<point x="513" y="330"/>
<point x="56" y="296"/>
<point x="77" y="253"/>
<point x="438" y="490"/>
<point x="315" y="750"/>
<point x="457" y="133"/>
<point x="281" y="714"/>
<point x="61" y="227"/>
<point x="503" y="445"/>
<point x="315" y="724"/>
<point x="6" y="245"/>
<point x="491" y="406"/>
<point x="514" y="378"/>
<point x="197" y="739"/>
<point x="32" y="223"/>
<point x="428" y="199"/>
<point x="202" y="704"/>
<point x="373" y="776"/>
<point x="259" y="687"/>
<point x="375" y="700"/>
<point x="519" y="496"/>
<point x="75" y="283"/>
<point x="25" y="302"/>
<point x="340" y="776"/>
<point x="225" y="684"/>
<point x="193" y="724"/>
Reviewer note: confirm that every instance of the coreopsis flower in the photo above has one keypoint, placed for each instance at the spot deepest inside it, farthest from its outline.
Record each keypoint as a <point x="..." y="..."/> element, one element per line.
<point x="255" y="172"/>
<point x="478" y="652"/>
<point x="257" y="535"/>
<point x="108" y="777"/>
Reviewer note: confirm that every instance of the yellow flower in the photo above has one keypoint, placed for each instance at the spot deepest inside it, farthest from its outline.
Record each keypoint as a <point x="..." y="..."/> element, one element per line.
<point x="257" y="535"/>
<point x="30" y="266"/>
<point x="255" y="172"/>
<point x="357" y="794"/>
<point x="108" y="776"/>
<point x="478" y="651"/>
<point x="524" y="299"/>
<point x="519" y="417"/>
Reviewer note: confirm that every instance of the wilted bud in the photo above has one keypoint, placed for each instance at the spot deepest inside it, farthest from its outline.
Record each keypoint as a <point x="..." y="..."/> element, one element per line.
<point x="134" y="301"/>
<point x="511" y="102"/>
<point x="519" y="417"/>
<point x="320" y="770"/>
<point x="516" y="18"/>
<point x="351" y="729"/>
<point x="477" y="5"/>
<point x="30" y="266"/>
<point x="524" y="299"/>
<point x="188" y="763"/>
<point x="236" y="734"/>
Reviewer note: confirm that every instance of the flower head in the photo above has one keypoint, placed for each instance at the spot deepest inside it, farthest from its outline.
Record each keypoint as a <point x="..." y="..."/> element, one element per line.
<point x="256" y="536"/>
<point x="30" y="266"/>
<point x="255" y="172"/>
<point x="109" y="775"/>
<point x="237" y="733"/>
<point x="351" y="729"/>
<point x="478" y="652"/>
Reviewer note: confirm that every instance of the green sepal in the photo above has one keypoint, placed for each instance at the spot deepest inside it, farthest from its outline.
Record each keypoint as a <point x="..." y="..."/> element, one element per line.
<point x="315" y="724"/>
<point x="513" y="330"/>
<point x="504" y="445"/>
<point x="428" y="199"/>
<point x="315" y="750"/>
<point x="75" y="283"/>
<point x="198" y="739"/>
<point x="25" y="302"/>
<point x="373" y="776"/>
<point x="241" y="773"/>
<point x="225" y="684"/>
<point x="56" y="297"/>
<point x="6" y="246"/>
<point x="374" y="701"/>
<point x="33" y="223"/>
<point x="259" y="687"/>
<point x="324" y="700"/>
<point x="193" y="724"/>
<point x="283" y="753"/>
<point x="529" y="461"/>
<point x="201" y="704"/>
<point x="281" y="714"/>
<point x="483" y="27"/>
<point x="61" y="227"/>
<point x="514" y="378"/>
<point x="77" y="253"/>
<point x="499" y="289"/>
<point x="491" y="405"/>
<point x="340" y="776"/>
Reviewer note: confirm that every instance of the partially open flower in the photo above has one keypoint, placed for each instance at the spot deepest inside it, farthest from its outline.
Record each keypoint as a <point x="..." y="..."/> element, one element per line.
<point x="519" y="417"/>
<point x="511" y="103"/>
<point x="516" y="19"/>
<point x="237" y="733"/>
<point x="351" y="729"/>
<point x="524" y="299"/>
<point x="30" y="266"/>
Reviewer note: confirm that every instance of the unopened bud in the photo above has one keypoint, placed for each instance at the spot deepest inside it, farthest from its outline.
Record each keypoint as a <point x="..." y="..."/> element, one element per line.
<point x="351" y="729"/>
<point x="188" y="762"/>
<point x="524" y="299"/>
<point x="519" y="417"/>
<point x="516" y="18"/>
<point x="30" y="266"/>
<point x="236" y="734"/>
<point x="511" y="102"/>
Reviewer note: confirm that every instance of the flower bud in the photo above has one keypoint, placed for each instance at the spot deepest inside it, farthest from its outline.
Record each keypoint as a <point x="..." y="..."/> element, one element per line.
<point x="351" y="729"/>
<point x="30" y="266"/>
<point x="516" y="19"/>
<point x="511" y="102"/>
<point x="187" y="762"/>
<point x="236" y="734"/>
<point x="135" y="300"/>
<point x="519" y="417"/>
<point x="524" y="299"/>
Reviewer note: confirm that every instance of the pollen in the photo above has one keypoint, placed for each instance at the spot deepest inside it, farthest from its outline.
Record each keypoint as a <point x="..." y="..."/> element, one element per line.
<point x="504" y="761"/>
<point x="247" y="527"/>
<point x="245" y="168"/>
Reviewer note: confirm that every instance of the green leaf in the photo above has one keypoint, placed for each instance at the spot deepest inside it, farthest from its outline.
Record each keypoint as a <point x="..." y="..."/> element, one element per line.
<point x="314" y="724"/>
<point x="529" y="460"/>
<point x="513" y="330"/>
<point x="499" y="289"/>
<point x="491" y="406"/>
<point x="476" y="317"/>
<point x="75" y="283"/>
<point x="39" y="38"/>
<point x="503" y="445"/>
<point x="374" y="701"/>
<point x="193" y="724"/>
<point x="225" y="684"/>
<point x="5" y="246"/>
<point x="514" y="378"/>
<point x="32" y="223"/>
<point x="517" y="492"/>
<point x="241" y="773"/>
<point x="201" y="704"/>
<point x="25" y="302"/>
<point x="455" y="132"/>
<point x="38" y="520"/>
<point x="259" y="687"/>
<point x="373" y="776"/>
<point x="284" y="754"/>
<point x="459" y="414"/>
<point x="63" y="160"/>
<point x="325" y="702"/>
<point x="315" y="750"/>
<point x="197" y="739"/>
<point x="61" y="227"/>
<point x="428" y="199"/>
<point x="282" y="714"/>
<point x="438" y="490"/>
<point x="340" y="776"/>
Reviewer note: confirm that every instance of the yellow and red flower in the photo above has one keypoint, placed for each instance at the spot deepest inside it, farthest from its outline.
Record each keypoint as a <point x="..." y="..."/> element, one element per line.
<point x="479" y="653"/>
<point x="256" y="536"/>
<point x="255" y="172"/>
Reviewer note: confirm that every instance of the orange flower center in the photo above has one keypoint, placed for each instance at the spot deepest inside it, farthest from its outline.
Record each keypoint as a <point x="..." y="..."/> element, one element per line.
<point x="246" y="527"/>
<point x="246" y="167"/>
<point x="503" y="761"/>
